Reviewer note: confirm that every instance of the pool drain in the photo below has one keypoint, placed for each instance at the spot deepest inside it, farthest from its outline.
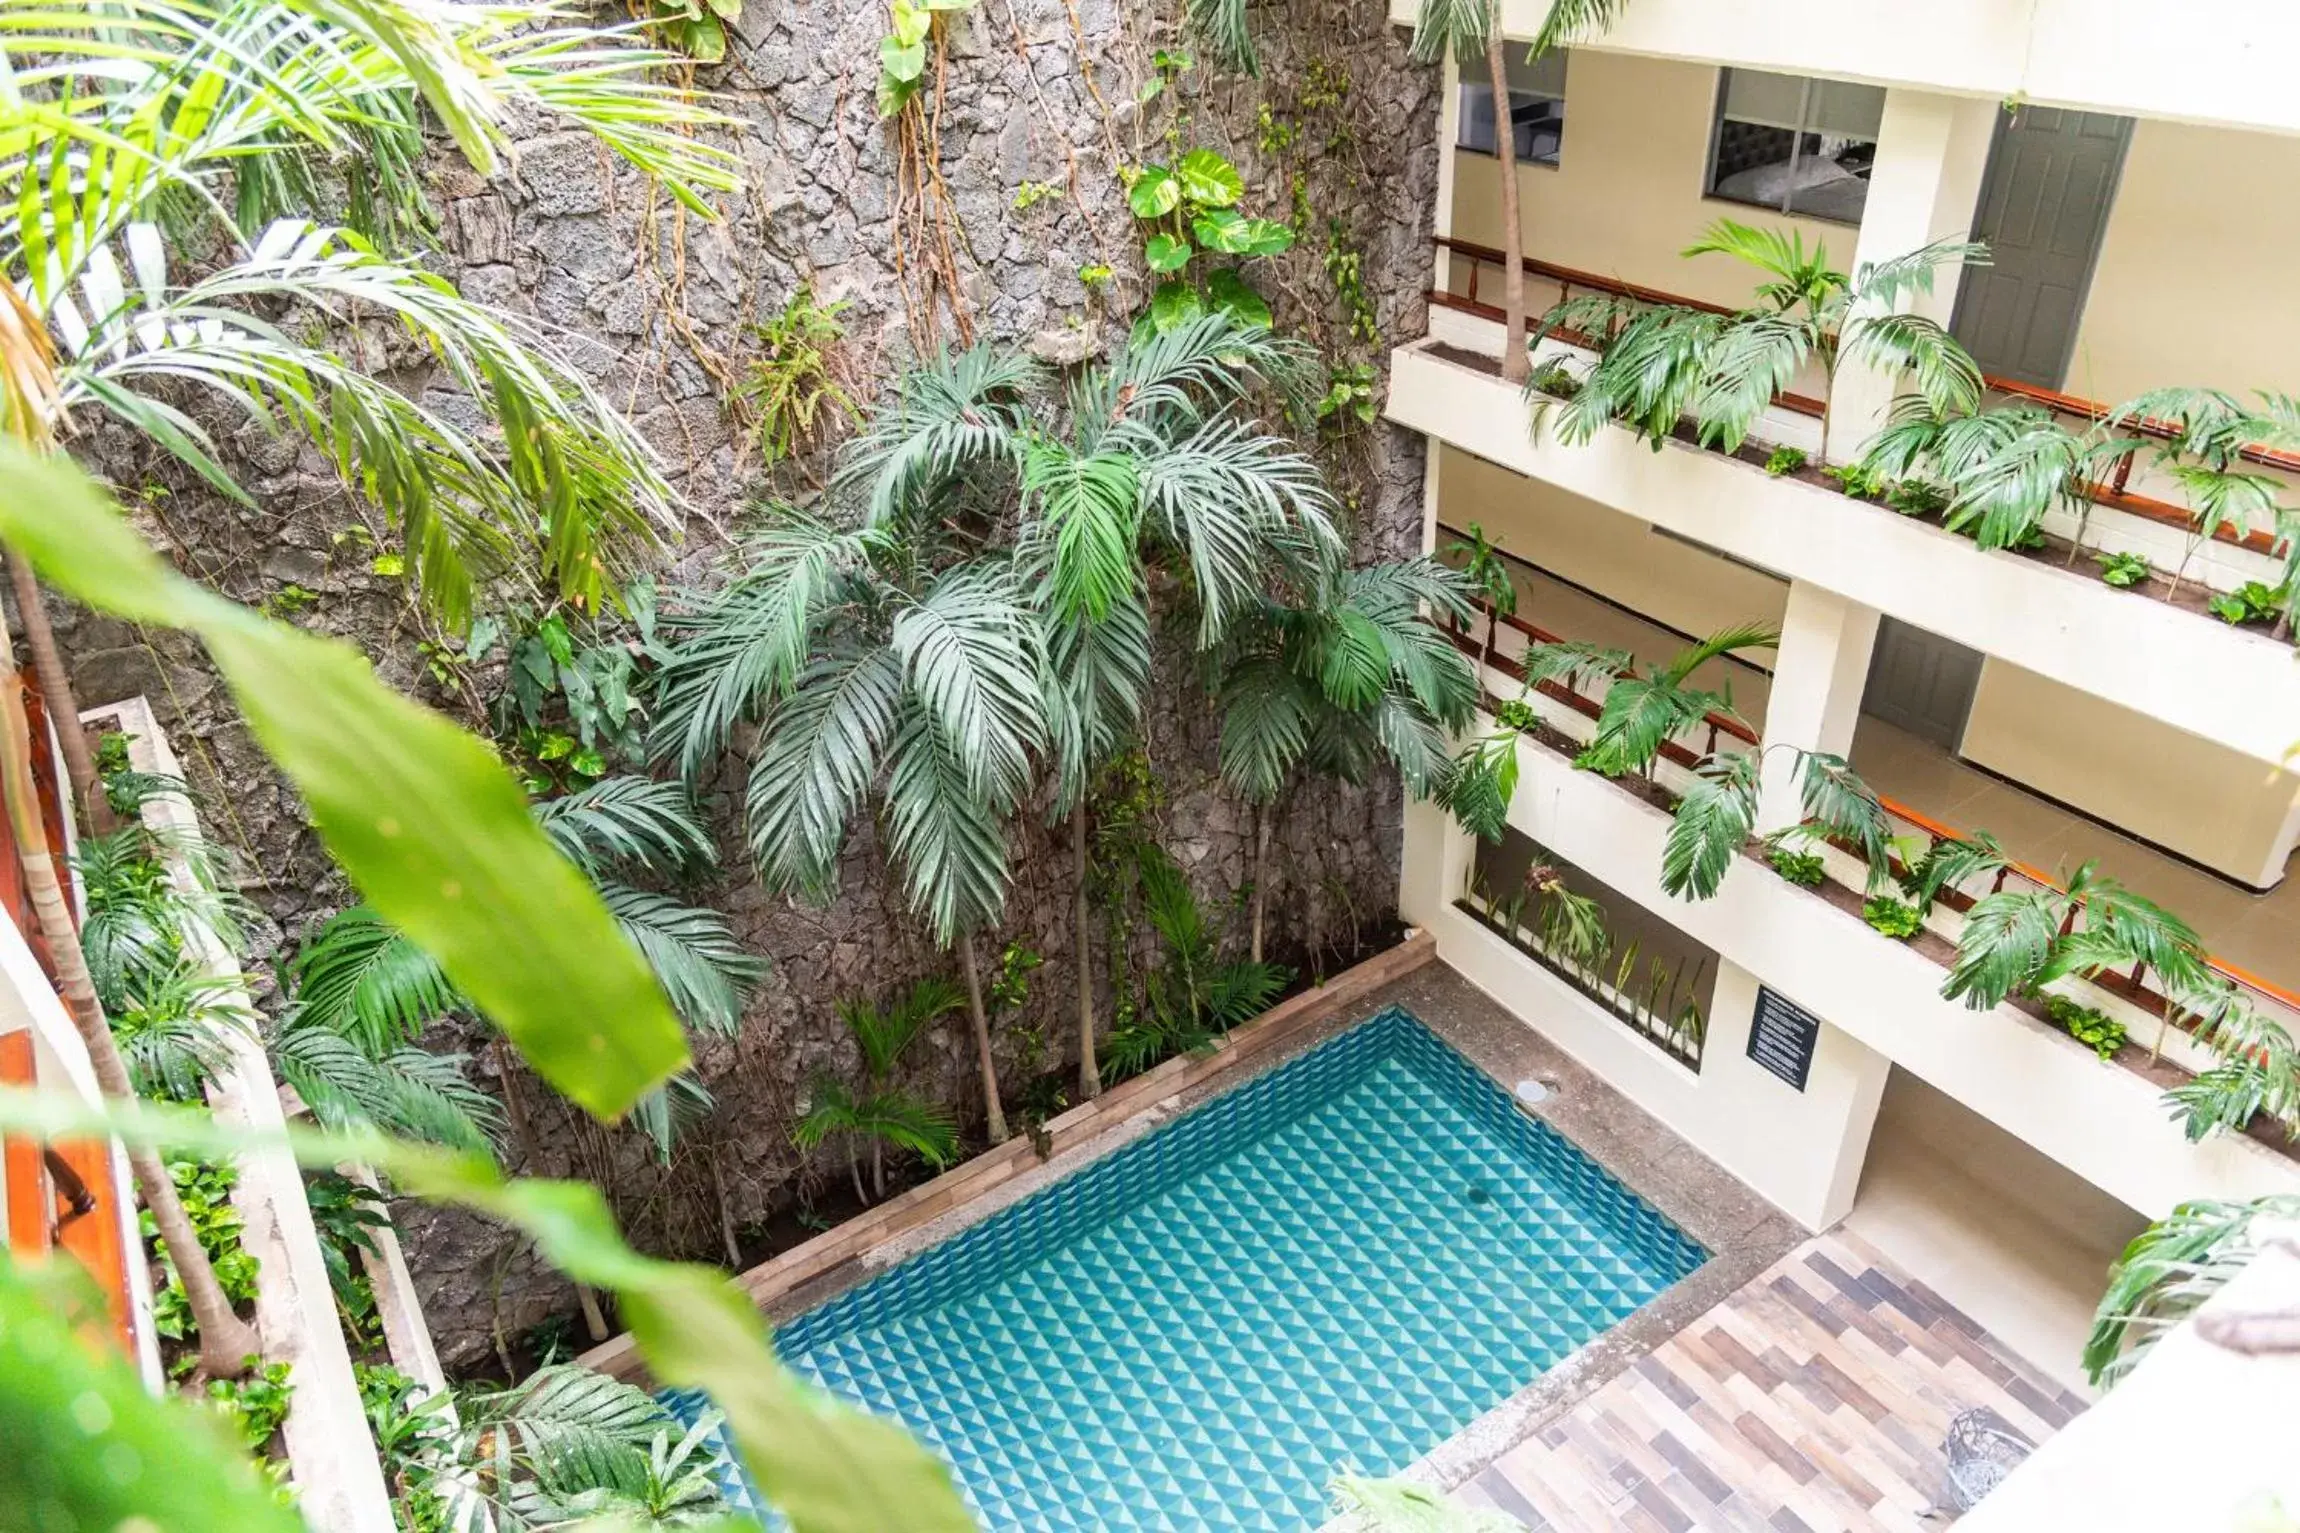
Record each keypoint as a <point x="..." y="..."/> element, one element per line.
<point x="1480" y="1193"/>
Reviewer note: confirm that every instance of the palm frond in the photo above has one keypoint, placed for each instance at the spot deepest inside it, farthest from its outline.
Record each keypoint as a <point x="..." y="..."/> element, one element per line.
<point x="1463" y="28"/>
<point x="360" y="976"/>
<point x="1481" y="782"/>
<point x="885" y="1033"/>
<point x="2006" y="939"/>
<point x="1954" y="862"/>
<point x="1178" y="376"/>
<point x="694" y="954"/>
<point x="1713" y="821"/>
<point x="2167" y="1272"/>
<point x="670" y="1110"/>
<point x="948" y="841"/>
<point x="1097" y="678"/>
<point x="1225" y="495"/>
<point x="1266" y="712"/>
<point x="1945" y="374"/>
<point x="1881" y="285"/>
<point x="1751" y="360"/>
<point x="1834" y="798"/>
<point x="406" y="1091"/>
<point x="175" y="1027"/>
<point x="741" y="648"/>
<point x="630" y="822"/>
<point x="1090" y="511"/>
<point x="819" y="751"/>
<point x="971" y="657"/>
<point x="952" y="414"/>
<point x="1575" y="21"/>
<point x="1798" y="273"/>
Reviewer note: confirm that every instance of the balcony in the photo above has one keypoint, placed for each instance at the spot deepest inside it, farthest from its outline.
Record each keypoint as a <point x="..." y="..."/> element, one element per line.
<point x="2223" y="64"/>
<point x="2106" y="1122"/>
<point x="2239" y="689"/>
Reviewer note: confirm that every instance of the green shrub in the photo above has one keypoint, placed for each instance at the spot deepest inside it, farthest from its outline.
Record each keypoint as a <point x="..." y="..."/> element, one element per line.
<point x="1804" y="869"/>
<point x="1917" y="497"/>
<point x="256" y="1404"/>
<point x="1555" y="378"/>
<point x="1895" y="918"/>
<point x="1785" y="460"/>
<point x="206" y="1192"/>
<point x="2088" y="1025"/>
<point x="2123" y="571"/>
<point x="2252" y="602"/>
<point x="1859" y="482"/>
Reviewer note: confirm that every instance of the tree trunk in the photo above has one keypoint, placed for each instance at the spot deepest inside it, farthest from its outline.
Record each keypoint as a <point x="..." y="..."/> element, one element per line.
<point x="981" y="1020"/>
<point x="226" y="1341"/>
<point x="594" y="1319"/>
<point x="1089" y="1070"/>
<point x="63" y="709"/>
<point x="1514" y="367"/>
<point x="854" y="1174"/>
<point x="1256" y="878"/>
<point x="877" y="1169"/>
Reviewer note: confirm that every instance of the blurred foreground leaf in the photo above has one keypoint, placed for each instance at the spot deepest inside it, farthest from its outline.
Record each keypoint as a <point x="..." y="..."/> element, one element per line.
<point x="826" y="1466"/>
<point x="429" y="825"/>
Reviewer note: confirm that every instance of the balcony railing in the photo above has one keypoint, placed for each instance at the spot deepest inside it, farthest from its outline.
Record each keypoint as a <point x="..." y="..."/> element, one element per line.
<point x="2140" y="991"/>
<point x="2115" y="492"/>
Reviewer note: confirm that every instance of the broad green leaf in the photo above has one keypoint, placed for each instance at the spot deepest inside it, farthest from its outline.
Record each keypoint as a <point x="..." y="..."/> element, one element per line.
<point x="1235" y="296"/>
<point x="1164" y="253"/>
<point x="706" y="39"/>
<point x="1155" y="192"/>
<point x="1174" y="303"/>
<point x="1232" y="233"/>
<point x="430" y="826"/>
<point x="1208" y="179"/>
<point x="911" y="23"/>
<point x="89" y="1447"/>
<point x="826" y="1466"/>
<point x="901" y="62"/>
<point x="1267" y="237"/>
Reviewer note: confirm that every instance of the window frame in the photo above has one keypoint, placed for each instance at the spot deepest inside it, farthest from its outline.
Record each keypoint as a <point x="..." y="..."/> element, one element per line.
<point x="1805" y="84"/>
<point x="1561" y="96"/>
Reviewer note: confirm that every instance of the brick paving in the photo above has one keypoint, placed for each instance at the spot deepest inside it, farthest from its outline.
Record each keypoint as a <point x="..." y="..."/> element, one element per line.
<point x="1813" y="1400"/>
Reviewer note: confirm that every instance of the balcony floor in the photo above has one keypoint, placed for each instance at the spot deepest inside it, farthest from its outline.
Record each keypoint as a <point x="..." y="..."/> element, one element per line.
<point x="2250" y="930"/>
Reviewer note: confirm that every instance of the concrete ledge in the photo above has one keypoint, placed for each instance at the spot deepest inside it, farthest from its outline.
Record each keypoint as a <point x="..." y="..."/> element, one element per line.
<point x="2222" y="684"/>
<point x="909" y="1211"/>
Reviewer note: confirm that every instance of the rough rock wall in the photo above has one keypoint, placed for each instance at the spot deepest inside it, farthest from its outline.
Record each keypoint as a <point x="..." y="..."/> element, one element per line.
<point x="1339" y="126"/>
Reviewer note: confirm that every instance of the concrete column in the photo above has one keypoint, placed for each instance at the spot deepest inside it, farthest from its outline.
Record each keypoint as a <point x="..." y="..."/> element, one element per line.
<point x="1818" y="675"/>
<point x="1802" y="1149"/>
<point x="1434" y="867"/>
<point x="1932" y="151"/>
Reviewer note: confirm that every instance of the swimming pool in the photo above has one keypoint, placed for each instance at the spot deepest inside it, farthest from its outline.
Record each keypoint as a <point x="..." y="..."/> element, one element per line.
<point x="1338" y="1264"/>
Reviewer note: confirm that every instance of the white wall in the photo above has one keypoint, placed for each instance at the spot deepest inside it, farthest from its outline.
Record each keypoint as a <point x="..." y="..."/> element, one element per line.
<point x="2212" y="61"/>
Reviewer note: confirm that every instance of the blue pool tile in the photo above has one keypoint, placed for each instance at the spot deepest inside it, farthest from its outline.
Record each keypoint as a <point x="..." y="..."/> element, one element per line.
<point x="1337" y="1265"/>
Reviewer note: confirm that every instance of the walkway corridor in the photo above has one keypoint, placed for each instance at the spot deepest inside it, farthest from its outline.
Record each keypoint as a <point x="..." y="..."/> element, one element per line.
<point x="1814" y="1400"/>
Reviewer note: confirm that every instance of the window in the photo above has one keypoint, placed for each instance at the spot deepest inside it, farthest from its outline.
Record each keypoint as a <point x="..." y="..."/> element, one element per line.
<point x="1536" y="109"/>
<point x="1795" y="145"/>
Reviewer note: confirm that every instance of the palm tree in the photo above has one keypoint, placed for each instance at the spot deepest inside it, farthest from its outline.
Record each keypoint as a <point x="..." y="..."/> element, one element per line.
<point x="1470" y="30"/>
<point x="1666" y="362"/>
<point x="1149" y="465"/>
<point x="1351" y="672"/>
<point x="2168" y="1272"/>
<point x="1194" y="995"/>
<point x="2016" y="941"/>
<point x="1645" y="710"/>
<point x="2211" y="430"/>
<point x="363" y="993"/>
<point x="894" y="657"/>
<point x="1717" y="813"/>
<point x="1489" y="580"/>
<point x="880" y="1114"/>
<point x="2004" y="468"/>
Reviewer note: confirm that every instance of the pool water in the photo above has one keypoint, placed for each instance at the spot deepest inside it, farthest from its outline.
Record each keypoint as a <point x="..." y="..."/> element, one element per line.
<point x="1337" y="1265"/>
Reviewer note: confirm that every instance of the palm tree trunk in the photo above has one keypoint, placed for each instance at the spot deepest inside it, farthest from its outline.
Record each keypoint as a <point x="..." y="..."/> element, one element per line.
<point x="981" y="1020"/>
<point x="1261" y="862"/>
<point x="854" y="1174"/>
<point x="226" y="1341"/>
<point x="878" y="1169"/>
<point x="1514" y="366"/>
<point x="63" y="709"/>
<point x="1089" y="1072"/>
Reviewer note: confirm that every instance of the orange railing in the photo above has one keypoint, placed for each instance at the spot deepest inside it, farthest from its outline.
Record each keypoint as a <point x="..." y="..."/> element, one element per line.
<point x="2114" y="492"/>
<point x="2134" y="988"/>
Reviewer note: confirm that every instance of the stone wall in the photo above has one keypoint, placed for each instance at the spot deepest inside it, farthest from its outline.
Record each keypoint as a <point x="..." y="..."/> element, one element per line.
<point x="660" y="307"/>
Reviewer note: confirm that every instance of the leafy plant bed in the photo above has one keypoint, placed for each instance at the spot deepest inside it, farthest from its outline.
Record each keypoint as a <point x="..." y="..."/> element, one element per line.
<point x="2052" y="551"/>
<point x="1686" y="1052"/>
<point x="2133" y="1054"/>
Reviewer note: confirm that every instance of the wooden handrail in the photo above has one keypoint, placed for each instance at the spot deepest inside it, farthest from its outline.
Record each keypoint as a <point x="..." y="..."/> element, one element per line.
<point x="1726" y="724"/>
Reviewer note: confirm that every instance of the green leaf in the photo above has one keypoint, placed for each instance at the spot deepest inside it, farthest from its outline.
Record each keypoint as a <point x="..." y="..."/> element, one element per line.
<point x="109" y="1452"/>
<point x="1164" y="253"/>
<point x="827" y="1467"/>
<point x="390" y="566"/>
<point x="431" y="828"/>
<point x="705" y="39"/>
<point x="1235" y="296"/>
<point x="1209" y="180"/>
<point x="900" y="61"/>
<point x="1175" y="303"/>
<point x="1232" y="233"/>
<point x="1155" y="192"/>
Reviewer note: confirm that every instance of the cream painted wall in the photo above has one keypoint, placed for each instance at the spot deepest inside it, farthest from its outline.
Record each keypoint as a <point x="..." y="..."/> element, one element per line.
<point x="2205" y="801"/>
<point x="1670" y="581"/>
<point x="2201" y="224"/>
<point x="1626" y="195"/>
<point x="2201" y="800"/>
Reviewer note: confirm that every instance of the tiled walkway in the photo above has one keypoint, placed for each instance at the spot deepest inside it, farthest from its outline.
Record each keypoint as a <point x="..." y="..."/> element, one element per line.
<point x="1815" y="1398"/>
